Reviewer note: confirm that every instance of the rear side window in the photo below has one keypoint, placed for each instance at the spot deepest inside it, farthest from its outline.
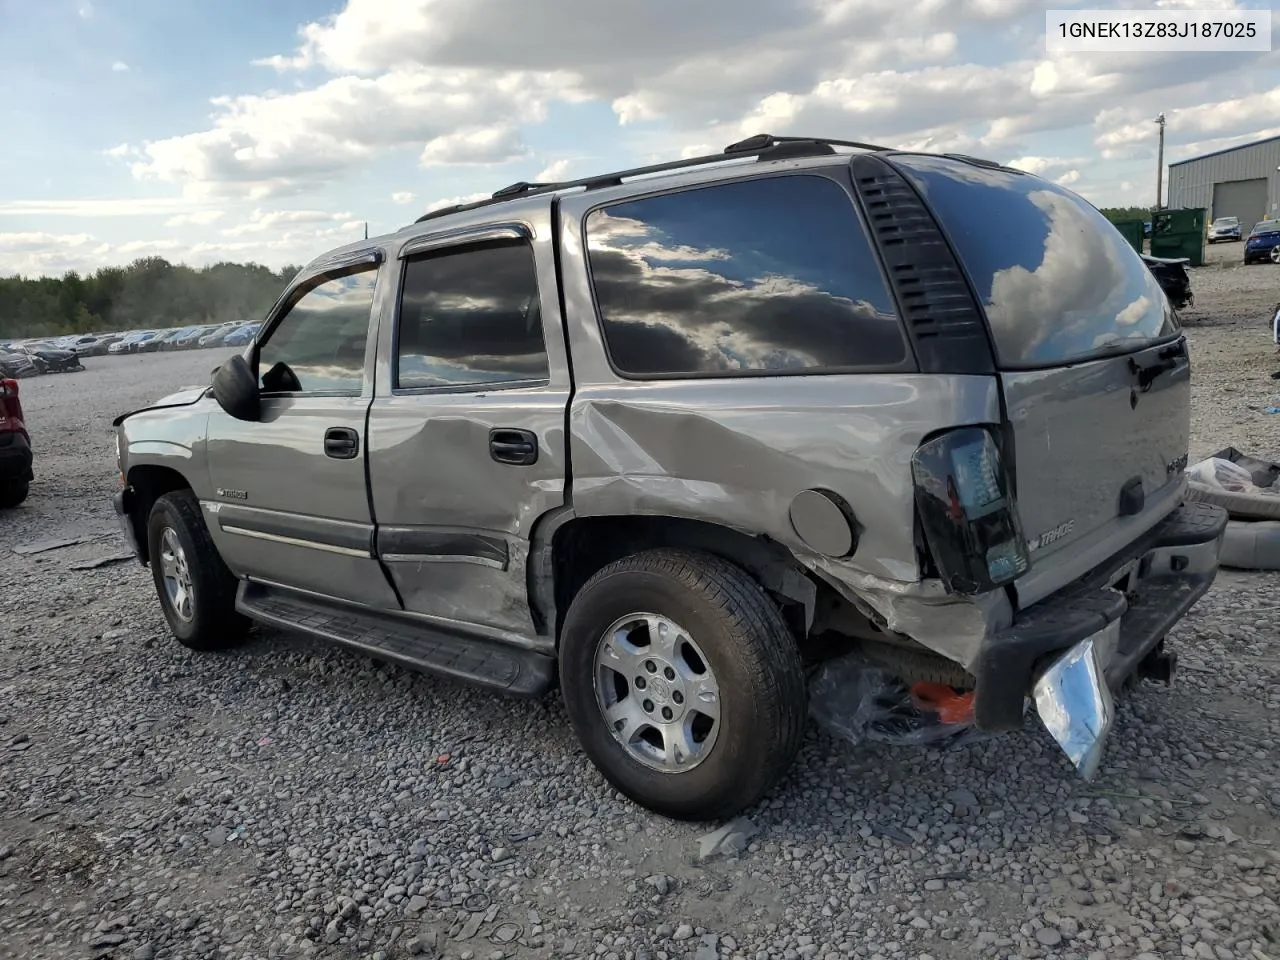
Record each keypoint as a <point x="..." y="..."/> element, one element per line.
<point x="471" y="316"/>
<point x="766" y="276"/>
<point x="1059" y="283"/>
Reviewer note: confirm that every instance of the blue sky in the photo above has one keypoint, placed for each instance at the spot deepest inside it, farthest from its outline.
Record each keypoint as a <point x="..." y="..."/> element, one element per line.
<point x="248" y="130"/>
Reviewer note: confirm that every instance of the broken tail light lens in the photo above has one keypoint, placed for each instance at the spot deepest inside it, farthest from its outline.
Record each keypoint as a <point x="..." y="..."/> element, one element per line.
<point x="967" y="511"/>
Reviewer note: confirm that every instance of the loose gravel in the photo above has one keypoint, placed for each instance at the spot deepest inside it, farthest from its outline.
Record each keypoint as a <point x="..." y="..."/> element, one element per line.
<point x="294" y="799"/>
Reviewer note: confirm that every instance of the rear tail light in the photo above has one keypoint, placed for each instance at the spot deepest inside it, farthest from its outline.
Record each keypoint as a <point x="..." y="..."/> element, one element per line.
<point x="967" y="511"/>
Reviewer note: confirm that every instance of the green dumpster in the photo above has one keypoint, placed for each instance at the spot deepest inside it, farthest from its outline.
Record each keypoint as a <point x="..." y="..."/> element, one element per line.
<point x="1178" y="233"/>
<point x="1131" y="230"/>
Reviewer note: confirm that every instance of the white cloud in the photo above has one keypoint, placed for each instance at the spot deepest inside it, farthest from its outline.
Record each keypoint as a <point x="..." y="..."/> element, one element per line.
<point x="1126" y="133"/>
<point x="275" y="221"/>
<point x="453" y="201"/>
<point x="279" y="144"/>
<point x="554" y="172"/>
<point x="403" y="196"/>
<point x="98" y="207"/>
<point x="200" y="218"/>
<point x="119" y="67"/>
<point x="474" y="146"/>
<point x="85" y="10"/>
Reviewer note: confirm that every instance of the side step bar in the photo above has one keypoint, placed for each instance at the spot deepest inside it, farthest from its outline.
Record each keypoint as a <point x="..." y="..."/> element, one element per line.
<point x="478" y="661"/>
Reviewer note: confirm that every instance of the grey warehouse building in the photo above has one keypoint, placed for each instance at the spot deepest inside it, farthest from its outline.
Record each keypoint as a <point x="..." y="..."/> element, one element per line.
<point x="1239" y="182"/>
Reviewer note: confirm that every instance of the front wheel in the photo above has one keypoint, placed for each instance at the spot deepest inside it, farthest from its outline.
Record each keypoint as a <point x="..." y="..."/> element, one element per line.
<point x="683" y="683"/>
<point x="197" y="592"/>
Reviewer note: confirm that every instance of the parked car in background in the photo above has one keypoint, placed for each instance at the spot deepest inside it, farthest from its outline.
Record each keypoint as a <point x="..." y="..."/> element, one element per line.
<point x="1171" y="273"/>
<point x="132" y="342"/>
<point x="219" y="333"/>
<point x="734" y="434"/>
<point x="1224" y="229"/>
<point x="96" y="346"/>
<point x="169" y="339"/>
<point x="1263" y="243"/>
<point x="188" y="338"/>
<point x="16" y="365"/>
<point x="51" y="359"/>
<point x="154" y="343"/>
<point x="15" y="447"/>
<point x="241" y="335"/>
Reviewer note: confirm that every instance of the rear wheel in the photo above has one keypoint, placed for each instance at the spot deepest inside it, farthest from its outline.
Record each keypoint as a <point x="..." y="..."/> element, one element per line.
<point x="197" y="592"/>
<point x="1275" y="254"/>
<point x="13" y="492"/>
<point x="683" y="683"/>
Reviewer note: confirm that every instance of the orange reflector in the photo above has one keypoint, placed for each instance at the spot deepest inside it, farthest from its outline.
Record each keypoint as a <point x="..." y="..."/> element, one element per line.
<point x="950" y="705"/>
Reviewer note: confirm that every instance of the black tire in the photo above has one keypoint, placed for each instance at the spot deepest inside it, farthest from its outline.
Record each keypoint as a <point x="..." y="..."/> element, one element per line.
<point x="13" y="492"/>
<point x="763" y="698"/>
<point x="213" y="623"/>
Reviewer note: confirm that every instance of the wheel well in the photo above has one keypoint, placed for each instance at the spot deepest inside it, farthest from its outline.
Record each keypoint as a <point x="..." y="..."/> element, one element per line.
<point x="149" y="484"/>
<point x="584" y="545"/>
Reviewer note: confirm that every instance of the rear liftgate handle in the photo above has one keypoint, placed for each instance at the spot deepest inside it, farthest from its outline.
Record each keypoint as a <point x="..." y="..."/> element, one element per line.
<point x="341" y="443"/>
<point x="516" y="447"/>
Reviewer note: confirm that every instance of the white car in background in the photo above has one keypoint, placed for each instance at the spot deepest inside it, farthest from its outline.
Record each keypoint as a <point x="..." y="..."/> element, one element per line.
<point x="1224" y="228"/>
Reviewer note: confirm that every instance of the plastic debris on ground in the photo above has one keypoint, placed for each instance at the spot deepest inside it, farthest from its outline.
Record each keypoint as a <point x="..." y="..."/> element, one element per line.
<point x="1231" y="471"/>
<point x="861" y="701"/>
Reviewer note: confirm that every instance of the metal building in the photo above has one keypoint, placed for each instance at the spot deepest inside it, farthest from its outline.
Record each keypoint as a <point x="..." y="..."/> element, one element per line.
<point x="1241" y="181"/>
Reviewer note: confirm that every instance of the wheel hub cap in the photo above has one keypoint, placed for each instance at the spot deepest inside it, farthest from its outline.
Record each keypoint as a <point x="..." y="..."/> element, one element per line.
<point x="657" y="693"/>
<point x="176" y="574"/>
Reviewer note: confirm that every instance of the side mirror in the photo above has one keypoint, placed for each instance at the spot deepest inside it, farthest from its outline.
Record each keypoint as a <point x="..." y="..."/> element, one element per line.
<point x="236" y="389"/>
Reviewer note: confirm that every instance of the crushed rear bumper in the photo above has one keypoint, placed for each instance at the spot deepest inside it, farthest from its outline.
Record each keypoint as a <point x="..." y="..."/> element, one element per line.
<point x="1125" y="607"/>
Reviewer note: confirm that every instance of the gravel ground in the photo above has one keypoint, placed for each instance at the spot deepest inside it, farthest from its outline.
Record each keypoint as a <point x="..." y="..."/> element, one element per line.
<point x="293" y="799"/>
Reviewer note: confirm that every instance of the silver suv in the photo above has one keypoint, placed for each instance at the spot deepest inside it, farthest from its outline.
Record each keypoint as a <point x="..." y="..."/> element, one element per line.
<point x="669" y="437"/>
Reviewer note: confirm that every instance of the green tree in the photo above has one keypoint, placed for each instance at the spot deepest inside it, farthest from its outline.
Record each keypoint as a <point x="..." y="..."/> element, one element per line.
<point x="150" y="292"/>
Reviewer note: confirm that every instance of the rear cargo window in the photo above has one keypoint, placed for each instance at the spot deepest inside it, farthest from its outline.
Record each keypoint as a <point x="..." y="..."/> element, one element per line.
<point x="767" y="276"/>
<point x="1058" y="281"/>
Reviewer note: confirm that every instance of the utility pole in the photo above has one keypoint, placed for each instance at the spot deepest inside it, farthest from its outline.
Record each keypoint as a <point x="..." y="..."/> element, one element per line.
<point x="366" y="223"/>
<point x="1160" y="166"/>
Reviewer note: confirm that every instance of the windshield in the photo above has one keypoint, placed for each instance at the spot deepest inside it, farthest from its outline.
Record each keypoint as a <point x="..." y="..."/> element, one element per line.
<point x="1266" y="226"/>
<point x="1058" y="282"/>
<point x="1226" y="222"/>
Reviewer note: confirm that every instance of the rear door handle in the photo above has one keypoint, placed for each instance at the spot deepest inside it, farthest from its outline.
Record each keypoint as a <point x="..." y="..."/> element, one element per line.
<point x="341" y="443"/>
<point x="516" y="447"/>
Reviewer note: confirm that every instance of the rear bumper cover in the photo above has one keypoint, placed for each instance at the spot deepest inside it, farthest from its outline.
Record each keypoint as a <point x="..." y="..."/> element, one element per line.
<point x="15" y="457"/>
<point x="1126" y="606"/>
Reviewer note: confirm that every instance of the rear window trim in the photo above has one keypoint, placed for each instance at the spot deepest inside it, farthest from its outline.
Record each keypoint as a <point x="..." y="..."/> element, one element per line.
<point x="1002" y="365"/>
<point x="837" y="173"/>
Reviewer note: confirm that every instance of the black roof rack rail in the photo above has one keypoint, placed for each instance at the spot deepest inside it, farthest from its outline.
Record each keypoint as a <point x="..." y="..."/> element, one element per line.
<point x="762" y="146"/>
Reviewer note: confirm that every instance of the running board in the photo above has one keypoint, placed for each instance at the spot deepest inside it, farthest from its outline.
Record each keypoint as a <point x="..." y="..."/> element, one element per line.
<point x="484" y="663"/>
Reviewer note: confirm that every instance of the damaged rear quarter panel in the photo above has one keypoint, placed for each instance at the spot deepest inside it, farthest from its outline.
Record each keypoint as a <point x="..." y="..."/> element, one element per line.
<point x="737" y="451"/>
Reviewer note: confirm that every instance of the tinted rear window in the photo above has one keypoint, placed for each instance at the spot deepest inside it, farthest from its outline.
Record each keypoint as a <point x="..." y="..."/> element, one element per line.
<point x="1059" y="283"/>
<point x="764" y="276"/>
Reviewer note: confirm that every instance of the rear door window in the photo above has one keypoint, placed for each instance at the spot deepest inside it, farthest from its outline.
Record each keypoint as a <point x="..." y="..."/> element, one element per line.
<point x="1059" y="283"/>
<point x="755" y="277"/>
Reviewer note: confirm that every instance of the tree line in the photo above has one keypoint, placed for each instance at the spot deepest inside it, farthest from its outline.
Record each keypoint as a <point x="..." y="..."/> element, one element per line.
<point x="1126" y="213"/>
<point x="150" y="292"/>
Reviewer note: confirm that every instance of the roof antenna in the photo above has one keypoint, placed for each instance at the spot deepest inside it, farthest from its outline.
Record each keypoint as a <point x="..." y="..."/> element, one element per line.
<point x="366" y="229"/>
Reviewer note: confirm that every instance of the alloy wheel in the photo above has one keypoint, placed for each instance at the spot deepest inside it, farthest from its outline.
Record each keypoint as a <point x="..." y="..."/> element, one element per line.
<point x="177" y="575"/>
<point x="657" y="692"/>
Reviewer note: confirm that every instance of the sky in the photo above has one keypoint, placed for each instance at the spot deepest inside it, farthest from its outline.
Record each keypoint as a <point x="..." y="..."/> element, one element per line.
<point x="271" y="131"/>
